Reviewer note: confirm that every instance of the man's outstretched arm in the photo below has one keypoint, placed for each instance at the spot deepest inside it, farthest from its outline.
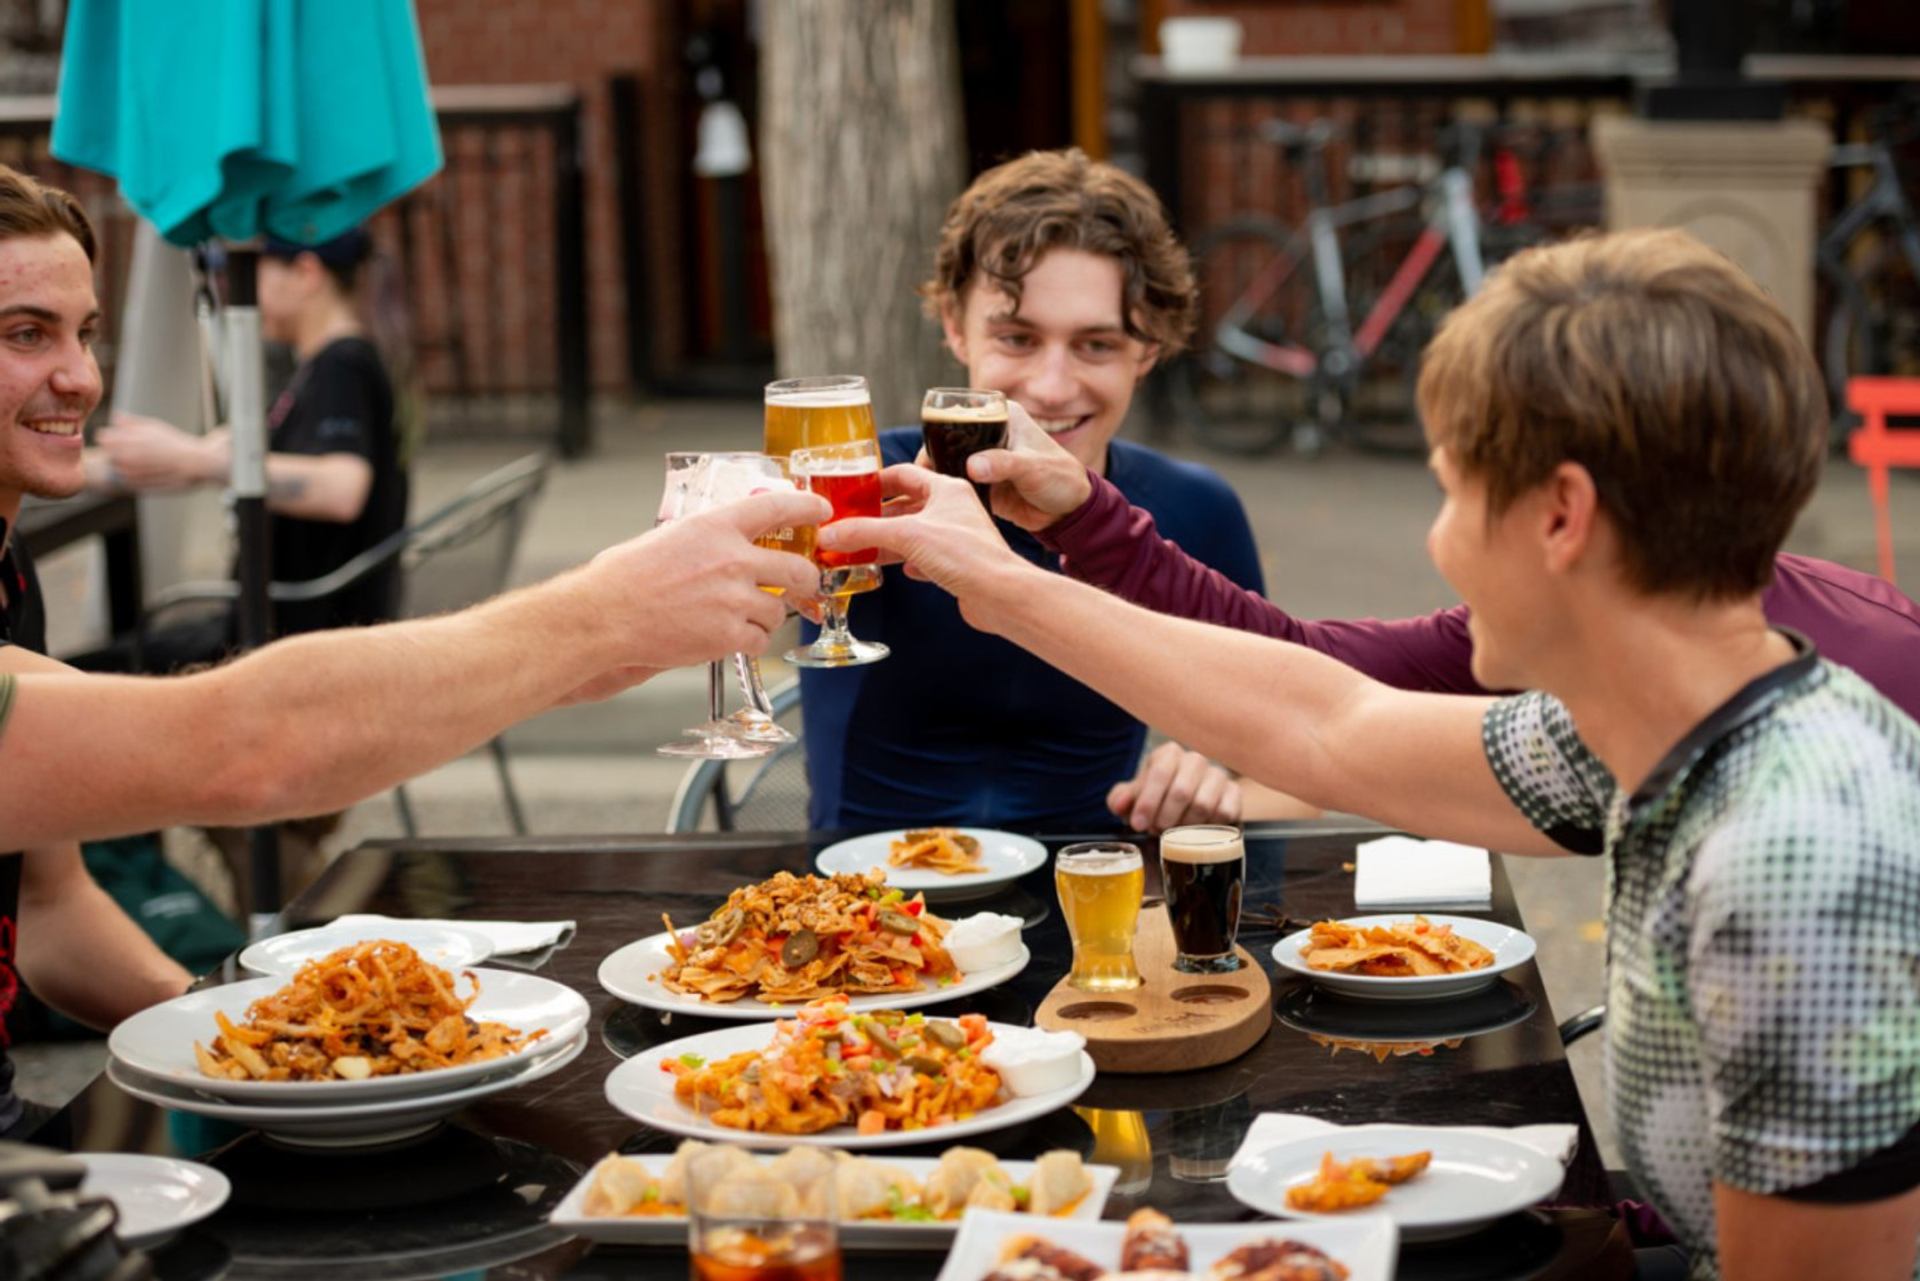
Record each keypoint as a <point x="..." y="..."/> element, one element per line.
<point x="1281" y="714"/>
<point x="316" y="722"/>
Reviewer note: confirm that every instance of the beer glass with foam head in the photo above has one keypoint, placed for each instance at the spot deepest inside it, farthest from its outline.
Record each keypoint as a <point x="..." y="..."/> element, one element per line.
<point x="958" y="422"/>
<point x="1101" y="884"/>
<point x="847" y="476"/>
<point x="1204" y="871"/>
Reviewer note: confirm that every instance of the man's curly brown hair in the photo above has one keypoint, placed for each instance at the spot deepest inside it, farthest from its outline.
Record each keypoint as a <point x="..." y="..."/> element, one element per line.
<point x="1015" y="213"/>
<point x="32" y="209"/>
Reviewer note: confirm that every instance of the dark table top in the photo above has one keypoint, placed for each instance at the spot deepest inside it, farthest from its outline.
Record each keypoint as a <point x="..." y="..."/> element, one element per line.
<point x="473" y="1195"/>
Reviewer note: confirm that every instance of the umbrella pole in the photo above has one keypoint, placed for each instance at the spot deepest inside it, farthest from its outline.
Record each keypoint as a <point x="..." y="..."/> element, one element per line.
<point x="246" y="410"/>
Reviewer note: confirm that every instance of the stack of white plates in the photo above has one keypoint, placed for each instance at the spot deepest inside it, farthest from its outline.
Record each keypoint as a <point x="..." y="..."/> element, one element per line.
<point x="152" y="1058"/>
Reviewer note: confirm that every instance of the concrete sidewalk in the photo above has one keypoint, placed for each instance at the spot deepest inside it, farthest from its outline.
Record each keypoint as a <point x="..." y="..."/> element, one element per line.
<point x="1341" y="536"/>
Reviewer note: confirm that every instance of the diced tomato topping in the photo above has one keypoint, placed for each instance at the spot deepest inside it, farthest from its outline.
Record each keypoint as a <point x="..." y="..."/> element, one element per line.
<point x="916" y="907"/>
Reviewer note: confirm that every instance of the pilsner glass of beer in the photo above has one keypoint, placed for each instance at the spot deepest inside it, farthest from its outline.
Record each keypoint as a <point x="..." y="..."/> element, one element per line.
<point x="847" y="476"/>
<point x="1100" y="885"/>
<point x="958" y="422"/>
<point x="737" y="1231"/>
<point x="1203" y="870"/>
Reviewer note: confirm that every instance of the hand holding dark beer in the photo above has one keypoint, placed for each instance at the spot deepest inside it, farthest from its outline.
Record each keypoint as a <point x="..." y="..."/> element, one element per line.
<point x="1033" y="481"/>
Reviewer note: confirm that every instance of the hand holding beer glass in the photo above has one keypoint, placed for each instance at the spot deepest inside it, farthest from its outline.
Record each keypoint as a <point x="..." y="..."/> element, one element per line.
<point x="958" y="422"/>
<point x="847" y="476"/>
<point x="753" y="1226"/>
<point x="1101" y="884"/>
<point x="1203" y="870"/>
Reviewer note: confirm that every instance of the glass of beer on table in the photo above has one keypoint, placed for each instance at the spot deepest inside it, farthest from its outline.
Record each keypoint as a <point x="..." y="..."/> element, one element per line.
<point x="847" y="476"/>
<point x="1101" y="884"/>
<point x="1203" y="870"/>
<point x="760" y="1229"/>
<point x="958" y="422"/>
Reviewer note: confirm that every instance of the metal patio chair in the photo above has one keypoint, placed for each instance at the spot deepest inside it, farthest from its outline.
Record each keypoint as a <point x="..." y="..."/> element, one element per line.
<point x="764" y="794"/>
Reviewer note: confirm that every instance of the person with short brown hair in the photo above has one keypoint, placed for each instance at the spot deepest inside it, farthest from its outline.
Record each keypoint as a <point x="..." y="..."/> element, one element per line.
<point x="1759" y="807"/>
<point x="1058" y="281"/>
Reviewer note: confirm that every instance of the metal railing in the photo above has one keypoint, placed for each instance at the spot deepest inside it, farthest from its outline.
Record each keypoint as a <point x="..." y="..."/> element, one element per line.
<point x="489" y="277"/>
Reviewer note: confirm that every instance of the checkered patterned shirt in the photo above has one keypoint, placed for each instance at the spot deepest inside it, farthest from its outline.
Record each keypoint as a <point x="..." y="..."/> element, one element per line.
<point x="1763" y="932"/>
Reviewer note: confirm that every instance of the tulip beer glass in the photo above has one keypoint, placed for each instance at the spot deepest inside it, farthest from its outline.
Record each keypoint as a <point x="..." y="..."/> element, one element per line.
<point x="848" y="477"/>
<point x="1101" y="885"/>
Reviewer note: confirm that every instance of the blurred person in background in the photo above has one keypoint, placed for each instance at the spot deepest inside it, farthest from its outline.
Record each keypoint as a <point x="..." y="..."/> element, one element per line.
<point x="1058" y="281"/>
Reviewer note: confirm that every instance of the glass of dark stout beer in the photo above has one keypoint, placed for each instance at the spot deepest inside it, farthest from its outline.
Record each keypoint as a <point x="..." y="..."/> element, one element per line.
<point x="1204" y="871"/>
<point x="958" y="422"/>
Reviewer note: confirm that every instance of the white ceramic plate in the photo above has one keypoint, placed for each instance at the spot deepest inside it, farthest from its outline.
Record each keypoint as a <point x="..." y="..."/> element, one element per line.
<point x="451" y="947"/>
<point x="1473" y="1180"/>
<point x="872" y="1234"/>
<point x="157" y="1196"/>
<point x="1510" y="948"/>
<point x="642" y="1090"/>
<point x="1367" y="1246"/>
<point x="632" y="975"/>
<point x="158" y="1041"/>
<point x="1008" y="858"/>
<point x="347" y="1125"/>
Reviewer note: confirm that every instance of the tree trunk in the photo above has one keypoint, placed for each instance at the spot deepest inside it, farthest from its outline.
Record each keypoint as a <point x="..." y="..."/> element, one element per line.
<point x="861" y="152"/>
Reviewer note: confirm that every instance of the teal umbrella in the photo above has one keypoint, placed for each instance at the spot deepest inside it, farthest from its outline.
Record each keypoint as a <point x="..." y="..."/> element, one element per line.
<point x="233" y="118"/>
<point x="230" y="119"/>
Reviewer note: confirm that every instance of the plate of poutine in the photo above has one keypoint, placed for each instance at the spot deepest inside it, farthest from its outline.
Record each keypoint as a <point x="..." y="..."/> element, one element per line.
<point x="1404" y="958"/>
<point x="775" y="945"/>
<point x="945" y="863"/>
<point x="835" y="1077"/>
<point x="371" y="1021"/>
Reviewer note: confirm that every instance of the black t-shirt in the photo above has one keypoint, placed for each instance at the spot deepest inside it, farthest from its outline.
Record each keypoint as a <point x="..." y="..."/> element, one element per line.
<point x="339" y="402"/>
<point x="23" y="622"/>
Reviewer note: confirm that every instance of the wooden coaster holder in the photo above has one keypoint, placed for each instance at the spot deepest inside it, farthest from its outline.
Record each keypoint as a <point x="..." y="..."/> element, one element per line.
<point x="1172" y="1022"/>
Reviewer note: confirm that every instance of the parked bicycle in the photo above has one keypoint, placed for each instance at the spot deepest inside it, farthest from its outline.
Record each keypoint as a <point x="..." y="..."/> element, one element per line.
<point x="1869" y="259"/>
<point x="1321" y="327"/>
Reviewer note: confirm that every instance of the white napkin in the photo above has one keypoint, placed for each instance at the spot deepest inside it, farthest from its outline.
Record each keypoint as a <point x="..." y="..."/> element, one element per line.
<point x="507" y="937"/>
<point x="1271" y="1129"/>
<point x="1402" y="872"/>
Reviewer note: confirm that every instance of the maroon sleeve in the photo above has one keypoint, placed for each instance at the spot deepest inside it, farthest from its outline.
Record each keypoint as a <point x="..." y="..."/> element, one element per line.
<point x="1114" y="545"/>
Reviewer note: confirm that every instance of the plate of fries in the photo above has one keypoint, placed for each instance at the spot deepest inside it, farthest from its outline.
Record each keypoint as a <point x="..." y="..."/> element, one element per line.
<point x="832" y="1077"/>
<point x="942" y="862"/>
<point x="1401" y="958"/>
<point x="370" y="1021"/>
<point x="1432" y="1182"/>
<point x="775" y="945"/>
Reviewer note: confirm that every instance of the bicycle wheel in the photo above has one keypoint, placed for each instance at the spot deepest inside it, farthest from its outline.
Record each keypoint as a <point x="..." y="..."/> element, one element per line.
<point x="1382" y="416"/>
<point x="1234" y="403"/>
<point x="1873" y="326"/>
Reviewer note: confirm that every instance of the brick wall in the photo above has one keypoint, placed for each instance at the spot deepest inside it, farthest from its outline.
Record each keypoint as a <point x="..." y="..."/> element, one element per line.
<point x="582" y="43"/>
<point x="1335" y="26"/>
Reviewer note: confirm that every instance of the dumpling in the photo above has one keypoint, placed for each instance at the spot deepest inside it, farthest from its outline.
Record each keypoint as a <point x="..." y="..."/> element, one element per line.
<point x="752" y="1193"/>
<point x="619" y="1184"/>
<point x="862" y="1188"/>
<point x="993" y="1190"/>
<point x="808" y="1171"/>
<point x="1060" y="1182"/>
<point x="715" y="1164"/>
<point x="952" y="1180"/>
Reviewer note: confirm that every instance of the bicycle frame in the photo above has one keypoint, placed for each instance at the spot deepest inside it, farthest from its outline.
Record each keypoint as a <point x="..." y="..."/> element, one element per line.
<point x="1886" y="198"/>
<point x="1453" y="224"/>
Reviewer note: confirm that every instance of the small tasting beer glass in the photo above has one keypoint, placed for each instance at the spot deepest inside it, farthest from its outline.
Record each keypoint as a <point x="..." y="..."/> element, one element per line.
<point x="958" y="422"/>
<point x="744" y="1229"/>
<point x="847" y="476"/>
<point x="1100" y="886"/>
<point x="1203" y="870"/>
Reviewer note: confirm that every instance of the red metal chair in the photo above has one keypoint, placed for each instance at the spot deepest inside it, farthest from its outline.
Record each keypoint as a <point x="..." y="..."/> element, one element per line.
<point x="1875" y="447"/>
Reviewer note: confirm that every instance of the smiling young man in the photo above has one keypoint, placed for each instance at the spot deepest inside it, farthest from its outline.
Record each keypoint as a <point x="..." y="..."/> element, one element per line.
<point x="1057" y="281"/>
<point x="1624" y="429"/>
<point x="302" y="726"/>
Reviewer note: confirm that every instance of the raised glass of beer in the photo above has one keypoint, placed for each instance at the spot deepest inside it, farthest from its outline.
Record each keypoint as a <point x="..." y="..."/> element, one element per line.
<point x="738" y="1231"/>
<point x="958" y="422"/>
<point x="848" y="476"/>
<point x="1100" y="885"/>
<point x="1203" y="870"/>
